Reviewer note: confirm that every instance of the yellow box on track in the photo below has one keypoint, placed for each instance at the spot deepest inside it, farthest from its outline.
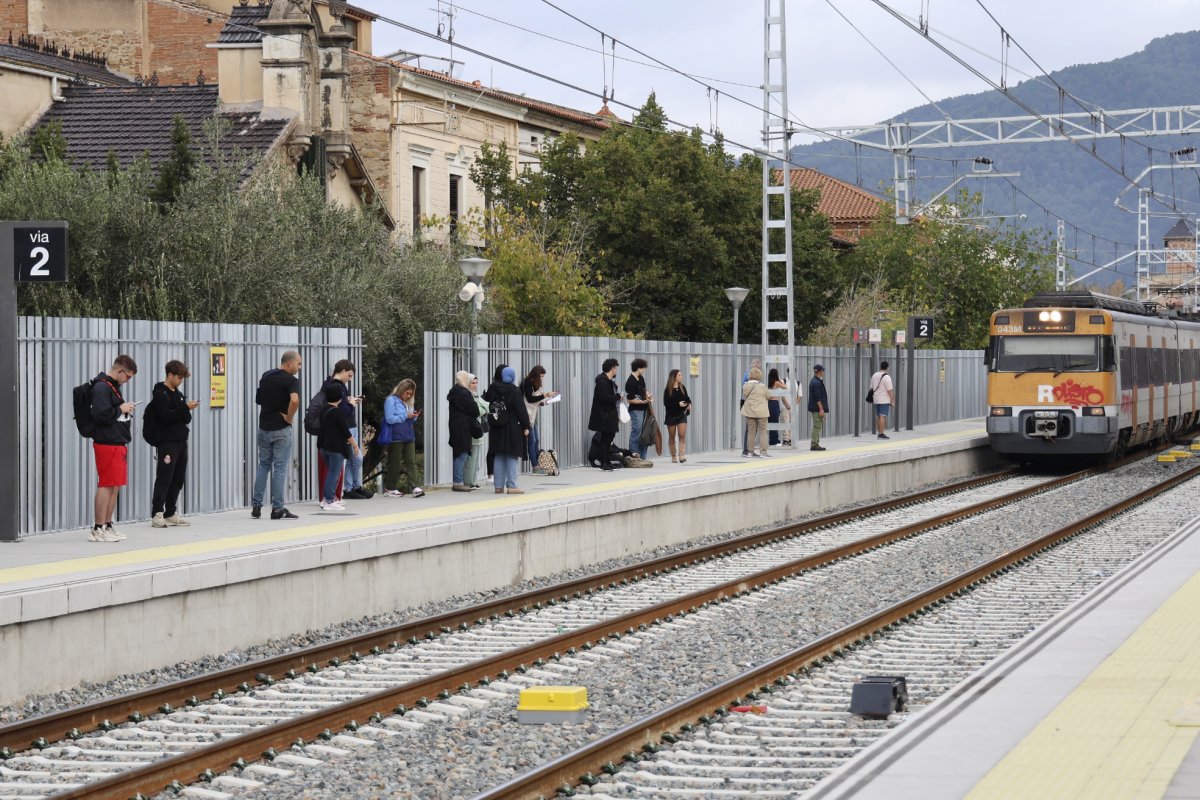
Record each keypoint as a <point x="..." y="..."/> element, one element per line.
<point x="553" y="698"/>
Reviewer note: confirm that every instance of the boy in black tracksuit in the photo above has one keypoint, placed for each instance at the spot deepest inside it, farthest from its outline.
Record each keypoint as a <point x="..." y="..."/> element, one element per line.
<point x="173" y="413"/>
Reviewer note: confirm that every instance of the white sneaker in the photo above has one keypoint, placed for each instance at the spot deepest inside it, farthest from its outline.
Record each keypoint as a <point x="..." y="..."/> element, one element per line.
<point x="102" y="535"/>
<point x="159" y="521"/>
<point x="334" y="506"/>
<point x="177" y="520"/>
<point x="120" y="536"/>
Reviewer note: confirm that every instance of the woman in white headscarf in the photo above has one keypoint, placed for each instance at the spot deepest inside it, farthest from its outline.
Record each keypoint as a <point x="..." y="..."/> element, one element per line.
<point x="471" y="470"/>
<point x="463" y="418"/>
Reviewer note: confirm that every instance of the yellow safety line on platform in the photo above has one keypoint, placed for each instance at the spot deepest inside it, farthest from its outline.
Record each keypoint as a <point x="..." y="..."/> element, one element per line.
<point x="1114" y="736"/>
<point x="383" y="522"/>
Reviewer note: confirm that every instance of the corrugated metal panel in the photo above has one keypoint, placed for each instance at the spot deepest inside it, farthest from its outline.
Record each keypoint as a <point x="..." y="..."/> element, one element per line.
<point x="57" y="354"/>
<point x="572" y="363"/>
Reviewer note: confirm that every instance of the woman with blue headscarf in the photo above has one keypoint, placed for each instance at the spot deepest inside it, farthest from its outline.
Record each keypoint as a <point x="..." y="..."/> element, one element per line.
<point x="507" y="438"/>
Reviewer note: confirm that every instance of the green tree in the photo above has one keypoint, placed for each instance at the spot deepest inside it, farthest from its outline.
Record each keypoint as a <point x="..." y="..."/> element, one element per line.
<point x="949" y="267"/>
<point x="177" y="170"/>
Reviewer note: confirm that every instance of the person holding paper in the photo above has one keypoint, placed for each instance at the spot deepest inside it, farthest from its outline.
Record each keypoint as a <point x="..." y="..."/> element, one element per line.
<point x="535" y="397"/>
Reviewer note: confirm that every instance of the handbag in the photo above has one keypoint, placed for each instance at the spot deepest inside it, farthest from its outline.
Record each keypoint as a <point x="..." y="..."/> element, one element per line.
<point x="547" y="461"/>
<point x="623" y="413"/>
<point x="384" y="437"/>
<point x="649" y="429"/>
<point x="871" y="392"/>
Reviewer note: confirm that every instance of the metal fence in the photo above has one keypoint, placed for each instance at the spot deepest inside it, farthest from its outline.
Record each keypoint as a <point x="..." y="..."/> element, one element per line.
<point x="950" y="384"/>
<point x="58" y="477"/>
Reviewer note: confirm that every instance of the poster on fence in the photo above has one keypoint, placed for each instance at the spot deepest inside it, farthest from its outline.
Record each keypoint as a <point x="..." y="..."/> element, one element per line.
<point x="216" y="378"/>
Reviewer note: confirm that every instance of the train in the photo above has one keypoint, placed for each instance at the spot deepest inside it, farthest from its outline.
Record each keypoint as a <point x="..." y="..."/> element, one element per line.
<point x="1085" y="374"/>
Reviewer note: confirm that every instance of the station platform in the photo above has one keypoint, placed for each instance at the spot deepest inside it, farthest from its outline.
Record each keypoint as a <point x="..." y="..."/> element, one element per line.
<point x="73" y="610"/>
<point x="1102" y="702"/>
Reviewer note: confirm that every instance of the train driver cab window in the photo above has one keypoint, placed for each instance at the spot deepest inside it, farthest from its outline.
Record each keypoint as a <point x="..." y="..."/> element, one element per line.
<point x="1047" y="354"/>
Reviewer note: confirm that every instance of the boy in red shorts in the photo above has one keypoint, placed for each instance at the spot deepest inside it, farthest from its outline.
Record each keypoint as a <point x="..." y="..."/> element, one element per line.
<point x="111" y="415"/>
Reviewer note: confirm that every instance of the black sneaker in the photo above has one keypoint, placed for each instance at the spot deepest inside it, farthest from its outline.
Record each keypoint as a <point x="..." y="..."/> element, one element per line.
<point x="883" y="436"/>
<point x="282" y="513"/>
<point x="364" y="493"/>
<point x="353" y="494"/>
<point x="816" y="447"/>
<point x="256" y="511"/>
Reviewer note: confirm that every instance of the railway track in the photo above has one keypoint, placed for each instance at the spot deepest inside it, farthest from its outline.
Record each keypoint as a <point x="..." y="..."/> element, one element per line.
<point x="446" y="672"/>
<point x="699" y="746"/>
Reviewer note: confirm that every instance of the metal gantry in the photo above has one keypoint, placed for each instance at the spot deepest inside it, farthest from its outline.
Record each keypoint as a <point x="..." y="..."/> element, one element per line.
<point x="777" y="280"/>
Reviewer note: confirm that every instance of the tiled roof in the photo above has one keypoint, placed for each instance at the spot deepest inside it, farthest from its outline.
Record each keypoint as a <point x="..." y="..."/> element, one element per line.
<point x="242" y="25"/>
<point x="60" y="64"/>
<point x="1182" y="229"/>
<point x="840" y="201"/>
<point x="562" y="112"/>
<point x="130" y="121"/>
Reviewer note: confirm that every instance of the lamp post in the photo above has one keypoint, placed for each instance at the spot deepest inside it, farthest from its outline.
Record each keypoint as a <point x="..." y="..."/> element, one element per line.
<point x="473" y="269"/>
<point x="736" y="295"/>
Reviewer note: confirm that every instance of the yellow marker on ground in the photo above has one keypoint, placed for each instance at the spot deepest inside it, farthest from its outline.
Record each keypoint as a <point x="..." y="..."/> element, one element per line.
<point x="1166" y="458"/>
<point x="541" y="704"/>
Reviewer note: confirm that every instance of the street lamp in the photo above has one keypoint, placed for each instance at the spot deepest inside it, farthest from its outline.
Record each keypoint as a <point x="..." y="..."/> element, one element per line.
<point x="473" y="269"/>
<point x="736" y="295"/>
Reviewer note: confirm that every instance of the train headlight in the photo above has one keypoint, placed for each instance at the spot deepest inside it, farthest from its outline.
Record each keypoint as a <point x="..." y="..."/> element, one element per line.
<point x="1056" y="316"/>
<point x="1044" y="316"/>
<point x="1001" y="411"/>
<point x="1093" y="411"/>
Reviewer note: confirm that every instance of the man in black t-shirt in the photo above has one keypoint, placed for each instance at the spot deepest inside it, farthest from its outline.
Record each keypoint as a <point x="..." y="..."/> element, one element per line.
<point x="639" y="404"/>
<point x="278" y="398"/>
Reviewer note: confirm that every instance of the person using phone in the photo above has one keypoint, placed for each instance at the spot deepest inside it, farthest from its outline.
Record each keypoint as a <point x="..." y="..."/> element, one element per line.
<point x="173" y="413"/>
<point x="111" y="414"/>
<point x="399" y="415"/>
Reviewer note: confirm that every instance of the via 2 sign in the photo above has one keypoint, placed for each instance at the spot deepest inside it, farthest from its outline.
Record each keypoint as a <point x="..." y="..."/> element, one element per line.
<point x="39" y="252"/>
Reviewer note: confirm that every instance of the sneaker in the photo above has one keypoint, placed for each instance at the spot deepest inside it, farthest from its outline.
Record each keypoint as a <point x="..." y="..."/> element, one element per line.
<point x="765" y="455"/>
<point x="816" y="447"/>
<point x="756" y="455"/>
<point x="515" y="490"/>
<point x="114" y="532"/>
<point x="747" y="455"/>
<point x="256" y="511"/>
<point x="102" y="535"/>
<point x="883" y="436"/>
<point x="418" y="492"/>
<point x="352" y="494"/>
<point x="177" y="520"/>
<point x="393" y="493"/>
<point x="460" y="487"/>
<point x="282" y="513"/>
<point x="538" y="472"/>
<point x="334" y="506"/>
<point x="364" y="492"/>
<point x="159" y="521"/>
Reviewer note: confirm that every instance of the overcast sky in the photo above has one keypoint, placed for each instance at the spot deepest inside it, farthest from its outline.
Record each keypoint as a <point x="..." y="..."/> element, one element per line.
<point x="835" y="77"/>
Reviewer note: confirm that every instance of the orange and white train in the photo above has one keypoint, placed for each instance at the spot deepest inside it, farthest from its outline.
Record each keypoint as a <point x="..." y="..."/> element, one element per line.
<point x="1076" y="373"/>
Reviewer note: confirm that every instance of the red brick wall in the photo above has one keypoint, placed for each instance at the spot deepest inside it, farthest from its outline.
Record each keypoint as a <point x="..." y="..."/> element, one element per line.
<point x="14" y="17"/>
<point x="370" y="123"/>
<point x="177" y="40"/>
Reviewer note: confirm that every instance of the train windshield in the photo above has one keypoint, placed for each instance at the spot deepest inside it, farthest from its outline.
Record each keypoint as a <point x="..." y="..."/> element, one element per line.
<point x="1047" y="354"/>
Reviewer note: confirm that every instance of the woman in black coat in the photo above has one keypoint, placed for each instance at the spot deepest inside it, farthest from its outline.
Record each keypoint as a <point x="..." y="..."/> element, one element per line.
<point x="463" y="412"/>
<point x="507" y="441"/>
<point x="488" y="398"/>
<point x="603" y="418"/>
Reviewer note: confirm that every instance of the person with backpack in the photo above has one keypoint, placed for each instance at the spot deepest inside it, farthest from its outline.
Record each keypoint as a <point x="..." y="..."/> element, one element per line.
<point x="640" y="405"/>
<point x="604" y="419"/>
<point x="398" y="433"/>
<point x="487" y="398"/>
<point x="108" y="418"/>
<point x="508" y="430"/>
<point x="463" y="424"/>
<point x="165" y="427"/>
<point x="278" y="398"/>
<point x="335" y="444"/>
<point x="343" y="373"/>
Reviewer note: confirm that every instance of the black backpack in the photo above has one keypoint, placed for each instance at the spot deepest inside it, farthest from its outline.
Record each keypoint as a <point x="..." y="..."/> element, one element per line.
<point x="150" y="428"/>
<point x="81" y="400"/>
<point x="312" y="415"/>
<point x="497" y="414"/>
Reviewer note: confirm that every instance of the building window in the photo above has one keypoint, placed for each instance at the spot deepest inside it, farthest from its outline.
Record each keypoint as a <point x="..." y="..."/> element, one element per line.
<point x="455" y="203"/>
<point x="418" y="199"/>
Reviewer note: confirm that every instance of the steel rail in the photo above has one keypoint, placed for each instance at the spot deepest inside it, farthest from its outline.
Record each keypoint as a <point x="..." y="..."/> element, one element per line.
<point x="562" y="774"/>
<point x="228" y="753"/>
<point x="70" y="722"/>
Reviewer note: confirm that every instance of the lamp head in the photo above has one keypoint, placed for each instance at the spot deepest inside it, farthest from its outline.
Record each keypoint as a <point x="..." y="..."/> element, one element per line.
<point x="474" y="268"/>
<point x="736" y="295"/>
<point x="469" y="292"/>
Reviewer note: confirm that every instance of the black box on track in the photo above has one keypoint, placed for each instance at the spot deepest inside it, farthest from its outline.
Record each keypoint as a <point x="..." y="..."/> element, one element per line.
<point x="878" y="696"/>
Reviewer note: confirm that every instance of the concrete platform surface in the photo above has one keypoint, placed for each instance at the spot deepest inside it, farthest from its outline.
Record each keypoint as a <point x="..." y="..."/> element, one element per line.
<point x="1103" y="702"/>
<point x="165" y="595"/>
